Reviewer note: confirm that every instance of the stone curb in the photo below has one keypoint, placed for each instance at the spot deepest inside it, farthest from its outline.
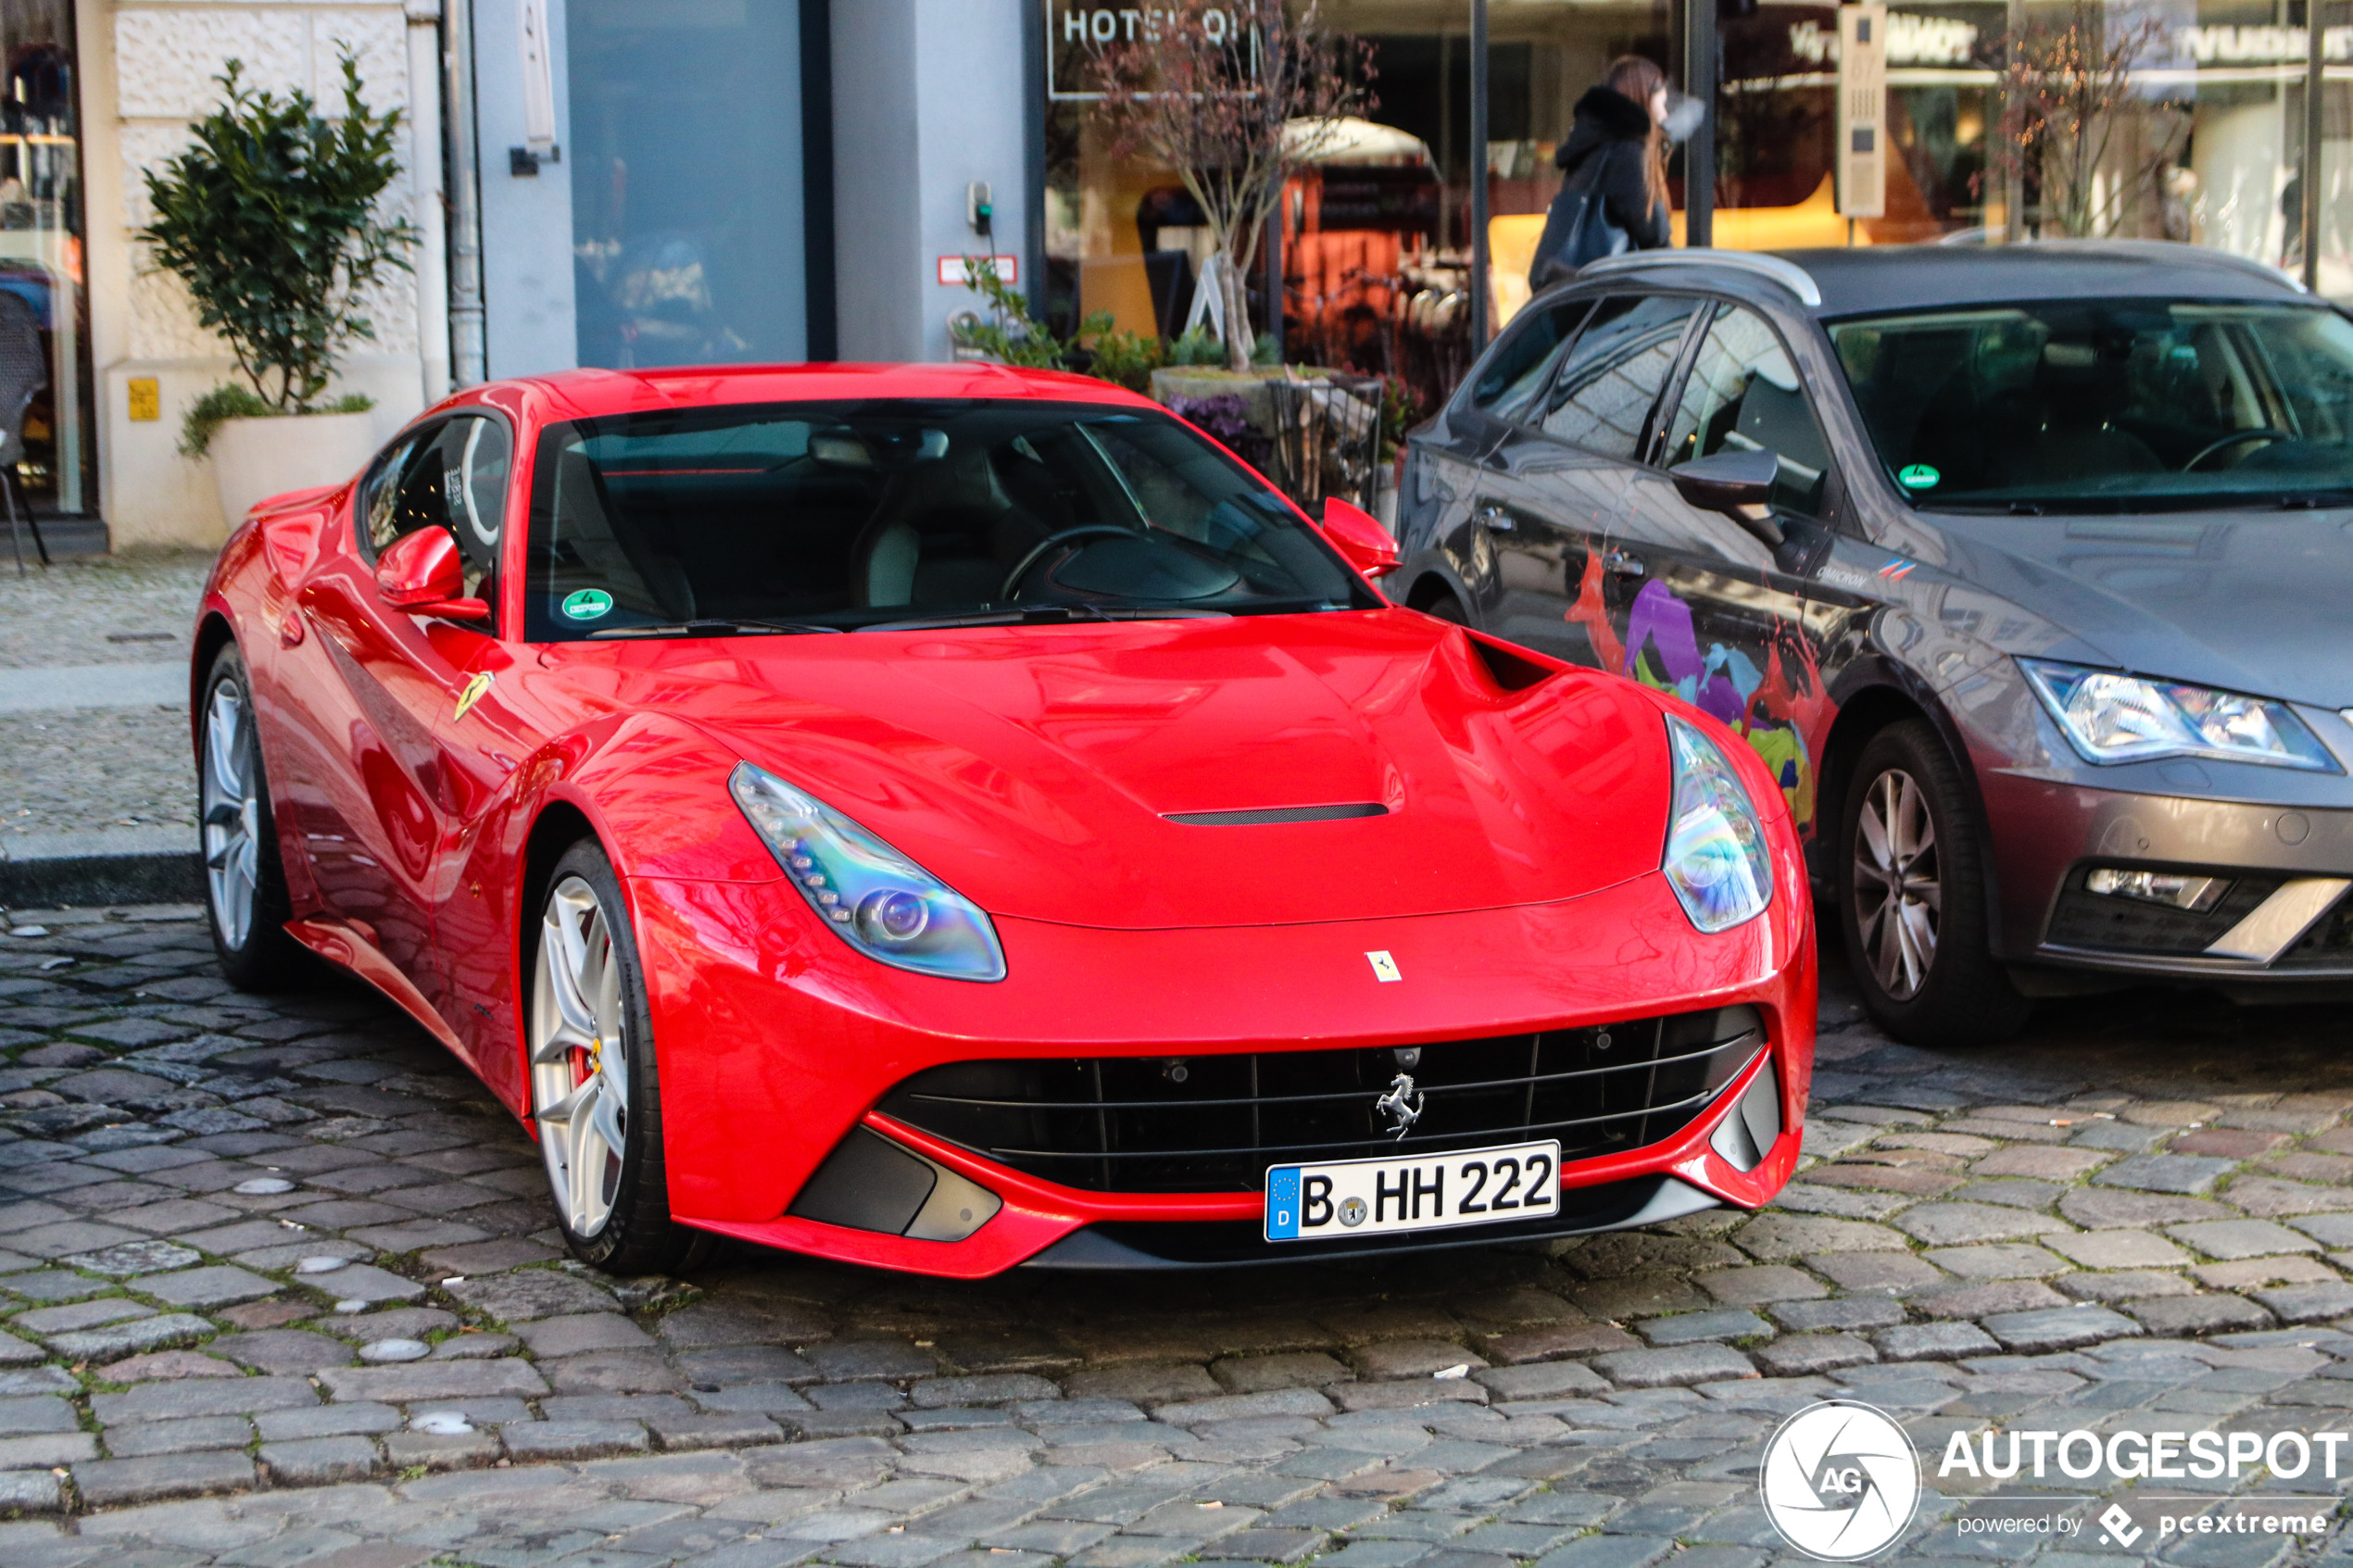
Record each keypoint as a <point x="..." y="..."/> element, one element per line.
<point x="40" y="871"/>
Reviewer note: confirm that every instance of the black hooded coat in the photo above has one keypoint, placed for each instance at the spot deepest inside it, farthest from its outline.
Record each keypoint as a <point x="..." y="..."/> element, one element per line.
<point x="1609" y="130"/>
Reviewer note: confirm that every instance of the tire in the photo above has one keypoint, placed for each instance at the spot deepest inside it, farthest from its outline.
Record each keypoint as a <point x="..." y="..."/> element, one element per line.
<point x="244" y="880"/>
<point x="590" y="1092"/>
<point x="1447" y="607"/>
<point x="1912" y="899"/>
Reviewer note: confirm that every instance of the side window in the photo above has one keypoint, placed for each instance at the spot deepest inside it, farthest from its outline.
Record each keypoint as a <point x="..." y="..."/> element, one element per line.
<point x="453" y="477"/>
<point x="1523" y="362"/>
<point x="1743" y="394"/>
<point x="379" y="507"/>
<point x="1614" y="373"/>
<point x="474" y="456"/>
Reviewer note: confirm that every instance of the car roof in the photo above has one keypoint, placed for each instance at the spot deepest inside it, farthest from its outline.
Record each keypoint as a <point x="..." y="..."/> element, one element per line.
<point x="586" y="394"/>
<point x="1871" y="279"/>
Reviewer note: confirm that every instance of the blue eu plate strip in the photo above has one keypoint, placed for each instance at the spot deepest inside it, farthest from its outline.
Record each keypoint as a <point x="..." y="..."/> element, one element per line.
<point x="1283" y="1203"/>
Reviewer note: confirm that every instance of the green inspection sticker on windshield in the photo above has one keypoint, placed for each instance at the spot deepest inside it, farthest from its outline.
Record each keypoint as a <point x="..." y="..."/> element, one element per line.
<point x="1918" y="476"/>
<point x="588" y="604"/>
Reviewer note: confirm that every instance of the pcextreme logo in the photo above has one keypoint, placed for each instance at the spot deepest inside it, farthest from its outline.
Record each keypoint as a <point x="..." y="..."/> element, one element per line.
<point x="1840" y="1480"/>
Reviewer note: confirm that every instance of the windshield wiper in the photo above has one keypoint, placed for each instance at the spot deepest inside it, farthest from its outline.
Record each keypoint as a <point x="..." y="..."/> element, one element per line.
<point x="1047" y="615"/>
<point x="726" y="628"/>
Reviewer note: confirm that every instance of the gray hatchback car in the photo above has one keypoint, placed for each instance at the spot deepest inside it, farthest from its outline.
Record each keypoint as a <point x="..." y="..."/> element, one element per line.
<point x="2028" y="569"/>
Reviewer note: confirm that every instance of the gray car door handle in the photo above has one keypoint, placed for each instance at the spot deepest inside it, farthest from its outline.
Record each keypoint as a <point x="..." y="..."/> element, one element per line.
<point x="1496" y="520"/>
<point x="1619" y="564"/>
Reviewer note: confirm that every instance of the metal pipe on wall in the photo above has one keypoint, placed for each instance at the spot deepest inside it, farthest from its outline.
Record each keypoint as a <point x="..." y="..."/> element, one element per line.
<point x="467" y="345"/>
<point x="1478" y="301"/>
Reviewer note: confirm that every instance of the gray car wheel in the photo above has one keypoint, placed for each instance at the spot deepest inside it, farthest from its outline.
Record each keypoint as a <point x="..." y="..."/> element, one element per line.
<point x="1913" y="896"/>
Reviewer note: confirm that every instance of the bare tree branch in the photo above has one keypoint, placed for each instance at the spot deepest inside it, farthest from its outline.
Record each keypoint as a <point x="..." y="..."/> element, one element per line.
<point x="1236" y="98"/>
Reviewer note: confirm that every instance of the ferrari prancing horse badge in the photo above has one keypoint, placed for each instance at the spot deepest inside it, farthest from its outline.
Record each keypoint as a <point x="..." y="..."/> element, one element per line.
<point x="471" y="695"/>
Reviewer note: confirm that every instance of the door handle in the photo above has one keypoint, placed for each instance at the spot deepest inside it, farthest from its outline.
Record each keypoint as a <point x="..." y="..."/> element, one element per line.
<point x="1496" y="520"/>
<point x="1618" y="563"/>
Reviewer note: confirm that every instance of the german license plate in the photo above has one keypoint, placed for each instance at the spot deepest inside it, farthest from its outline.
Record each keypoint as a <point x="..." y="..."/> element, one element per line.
<point x="1471" y="1187"/>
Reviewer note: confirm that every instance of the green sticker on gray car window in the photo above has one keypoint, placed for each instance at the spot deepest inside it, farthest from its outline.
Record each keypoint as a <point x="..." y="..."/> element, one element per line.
<point x="1918" y="476"/>
<point x="587" y="604"/>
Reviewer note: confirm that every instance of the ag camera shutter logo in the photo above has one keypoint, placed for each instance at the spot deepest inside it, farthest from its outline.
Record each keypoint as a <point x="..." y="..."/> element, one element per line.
<point x="1841" y="1481"/>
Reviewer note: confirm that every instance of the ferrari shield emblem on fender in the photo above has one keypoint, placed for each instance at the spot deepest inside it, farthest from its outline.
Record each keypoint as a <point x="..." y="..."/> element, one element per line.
<point x="1384" y="967"/>
<point x="471" y="695"/>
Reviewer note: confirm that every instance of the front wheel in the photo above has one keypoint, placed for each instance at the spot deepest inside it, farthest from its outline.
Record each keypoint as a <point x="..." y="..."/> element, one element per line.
<point x="244" y="883"/>
<point x="595" y="1094"/>
<point x="1913" y="899"/>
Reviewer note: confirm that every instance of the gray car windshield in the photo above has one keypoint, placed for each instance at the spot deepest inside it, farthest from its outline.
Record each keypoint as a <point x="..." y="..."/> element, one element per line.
<point x="850" y="516"/>
<point x="2106" y="405"/>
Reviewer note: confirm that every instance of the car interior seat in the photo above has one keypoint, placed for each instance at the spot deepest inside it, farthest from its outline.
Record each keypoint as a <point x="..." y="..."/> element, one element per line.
<point x="945" y="532"/>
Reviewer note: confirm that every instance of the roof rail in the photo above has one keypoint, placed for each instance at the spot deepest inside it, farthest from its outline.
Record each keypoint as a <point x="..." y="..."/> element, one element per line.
<point x="1789" y="274"/>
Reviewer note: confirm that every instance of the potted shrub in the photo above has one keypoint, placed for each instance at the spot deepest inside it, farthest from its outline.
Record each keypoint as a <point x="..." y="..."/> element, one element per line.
<point x="271" y="220"/>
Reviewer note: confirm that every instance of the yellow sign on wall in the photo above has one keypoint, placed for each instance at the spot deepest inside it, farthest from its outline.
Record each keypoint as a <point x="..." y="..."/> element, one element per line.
<point x="147" y="398"/>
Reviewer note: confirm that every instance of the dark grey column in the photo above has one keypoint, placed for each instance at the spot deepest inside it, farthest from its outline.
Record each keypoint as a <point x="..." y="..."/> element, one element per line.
<point x="1478" y="172"/>
<point x="1699" y="153"/>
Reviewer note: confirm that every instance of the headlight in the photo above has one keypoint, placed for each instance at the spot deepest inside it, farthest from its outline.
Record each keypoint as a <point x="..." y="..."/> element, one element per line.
<point x="1715" y="856"/>
<point x="2113" y="717"/>
<point x="880" y="902"/>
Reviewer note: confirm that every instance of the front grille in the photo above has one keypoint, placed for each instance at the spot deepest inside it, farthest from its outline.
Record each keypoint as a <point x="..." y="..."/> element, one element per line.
<point x="2084" y="918"/>
<point x="1215" y="1123"/>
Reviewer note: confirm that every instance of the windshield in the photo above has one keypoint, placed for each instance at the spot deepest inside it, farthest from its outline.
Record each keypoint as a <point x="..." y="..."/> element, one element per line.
<point x="2106" y="405"/>
<point x="845" y="516"/>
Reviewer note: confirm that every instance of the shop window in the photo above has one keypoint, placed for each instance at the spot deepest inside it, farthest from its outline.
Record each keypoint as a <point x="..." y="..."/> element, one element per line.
<point x="686" y="170"/>
<point x="44" y="370"/>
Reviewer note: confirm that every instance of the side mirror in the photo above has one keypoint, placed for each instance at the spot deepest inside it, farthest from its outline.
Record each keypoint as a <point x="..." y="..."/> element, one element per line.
<point x="1739" y="484"/>
<point x="422" y="573"/>
<point x="1359" y="537"/>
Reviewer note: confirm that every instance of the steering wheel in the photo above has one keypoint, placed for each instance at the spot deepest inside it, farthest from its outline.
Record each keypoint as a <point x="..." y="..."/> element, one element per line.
<point x="2266" y="434"/>
<point x="1084" y="530"/>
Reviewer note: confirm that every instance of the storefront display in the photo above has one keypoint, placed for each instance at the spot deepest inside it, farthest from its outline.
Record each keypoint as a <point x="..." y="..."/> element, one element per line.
<point x="2190" y="128"/>
<point x="43" y="284"/>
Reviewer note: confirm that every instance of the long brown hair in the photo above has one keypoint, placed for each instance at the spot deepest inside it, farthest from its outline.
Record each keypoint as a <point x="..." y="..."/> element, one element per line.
<point x="1631" y="75"/>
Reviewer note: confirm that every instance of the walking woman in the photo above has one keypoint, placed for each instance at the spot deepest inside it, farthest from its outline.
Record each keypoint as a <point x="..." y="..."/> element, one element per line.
<point x="1618" y="148"/>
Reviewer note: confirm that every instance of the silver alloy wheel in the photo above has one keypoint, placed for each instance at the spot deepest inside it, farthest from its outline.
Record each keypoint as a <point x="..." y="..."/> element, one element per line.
<point x="231" y="799"/>
<point x="579" y="1057"/>
<point x="1898" y="900"/>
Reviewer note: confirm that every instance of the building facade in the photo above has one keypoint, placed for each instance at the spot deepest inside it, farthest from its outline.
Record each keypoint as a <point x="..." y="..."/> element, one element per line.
<point x="641" y="182"/>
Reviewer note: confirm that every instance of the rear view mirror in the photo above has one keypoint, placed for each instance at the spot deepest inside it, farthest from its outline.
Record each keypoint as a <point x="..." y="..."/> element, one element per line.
<point x="1359" y="537"/>
<point x="1739" y="484"/>
<point x="422" y="573"/>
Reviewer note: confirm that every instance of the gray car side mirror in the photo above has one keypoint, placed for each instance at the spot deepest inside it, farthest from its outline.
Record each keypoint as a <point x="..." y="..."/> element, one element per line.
<point x="1739" y="484"/>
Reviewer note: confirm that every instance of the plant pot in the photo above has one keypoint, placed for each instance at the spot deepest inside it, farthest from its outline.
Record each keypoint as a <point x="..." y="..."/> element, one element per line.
<point x="254" y="459"/>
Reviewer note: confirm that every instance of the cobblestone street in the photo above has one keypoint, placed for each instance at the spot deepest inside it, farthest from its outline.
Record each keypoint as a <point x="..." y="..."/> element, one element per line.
<point x="280" y="1289"/>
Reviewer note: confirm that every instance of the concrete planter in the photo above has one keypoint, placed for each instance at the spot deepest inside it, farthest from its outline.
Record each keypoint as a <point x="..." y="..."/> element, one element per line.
<point x="254" y="459"/>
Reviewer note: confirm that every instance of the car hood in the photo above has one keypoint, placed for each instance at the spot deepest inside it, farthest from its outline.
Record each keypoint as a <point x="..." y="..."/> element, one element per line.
<point x="2248" y="601"/>
<point x="1037" y="769"/>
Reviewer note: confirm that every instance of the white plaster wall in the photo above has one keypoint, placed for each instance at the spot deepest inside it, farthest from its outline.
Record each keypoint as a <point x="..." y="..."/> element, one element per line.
<point x="148" y="71"/>
<point x="928" y="97"/>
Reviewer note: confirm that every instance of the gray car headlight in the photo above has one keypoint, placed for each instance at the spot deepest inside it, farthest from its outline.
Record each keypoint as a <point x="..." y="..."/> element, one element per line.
<point x="2113" y="717"/>
<point x="877" y="899"/>
<point x="1715" y="856"/>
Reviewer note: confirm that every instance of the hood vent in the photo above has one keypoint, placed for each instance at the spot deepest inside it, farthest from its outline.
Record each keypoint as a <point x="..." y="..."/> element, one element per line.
<point x="1277" y="814"/>
<point x="1507" y="669"/>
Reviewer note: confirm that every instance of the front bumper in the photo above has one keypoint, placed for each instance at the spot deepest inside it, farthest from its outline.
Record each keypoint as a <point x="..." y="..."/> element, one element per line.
<point x="2286" y="920"/>
<point x="774" y="1041"/>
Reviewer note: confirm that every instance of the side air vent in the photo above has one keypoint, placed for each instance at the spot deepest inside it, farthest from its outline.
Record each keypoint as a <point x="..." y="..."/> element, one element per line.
<point x="1277" y="814"/>
<point x="1510" y="671"/>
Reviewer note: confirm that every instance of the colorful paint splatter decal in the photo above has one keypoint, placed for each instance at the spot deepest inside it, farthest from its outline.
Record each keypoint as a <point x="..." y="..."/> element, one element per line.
<point x="1780" y="710"/>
